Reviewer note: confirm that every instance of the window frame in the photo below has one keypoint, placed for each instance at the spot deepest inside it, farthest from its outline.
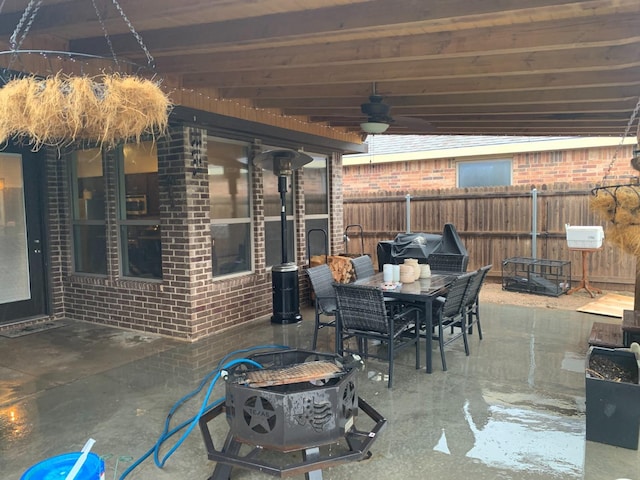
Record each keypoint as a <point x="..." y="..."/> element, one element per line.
<point x="487" y="161"/>
<point x="74" y="213"/>
<point x="319" y="216"/>
<point x="249" y="220"/>
<point x="122" y="220"/>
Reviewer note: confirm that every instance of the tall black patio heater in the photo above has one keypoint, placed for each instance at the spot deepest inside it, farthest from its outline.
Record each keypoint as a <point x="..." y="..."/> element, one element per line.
<point x="284" y="277"/>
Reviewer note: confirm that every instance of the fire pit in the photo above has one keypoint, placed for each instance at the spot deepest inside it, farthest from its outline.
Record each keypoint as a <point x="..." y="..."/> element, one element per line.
<point x="299" y="401"/>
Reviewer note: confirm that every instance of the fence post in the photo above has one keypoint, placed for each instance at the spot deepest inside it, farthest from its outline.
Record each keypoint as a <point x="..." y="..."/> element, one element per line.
<point x="408" y="197"/>
<point x="534" y="223"/>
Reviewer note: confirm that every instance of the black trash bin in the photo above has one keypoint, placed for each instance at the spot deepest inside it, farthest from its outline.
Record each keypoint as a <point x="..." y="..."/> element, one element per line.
<point x="286" y="304"/>
<point x="612" y="407"/>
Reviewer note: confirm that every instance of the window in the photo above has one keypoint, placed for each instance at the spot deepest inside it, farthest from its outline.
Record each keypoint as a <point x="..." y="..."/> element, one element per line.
<point x="316" y="205"/>
<point x="139" y="211"/>
<point x="484" y="173"/>
<point x="230" y="198"/>
<point x="88" y="212"/>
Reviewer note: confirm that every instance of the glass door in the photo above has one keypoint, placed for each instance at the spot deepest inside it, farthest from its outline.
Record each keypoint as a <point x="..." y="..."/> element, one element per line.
<point x="22" y="292"/>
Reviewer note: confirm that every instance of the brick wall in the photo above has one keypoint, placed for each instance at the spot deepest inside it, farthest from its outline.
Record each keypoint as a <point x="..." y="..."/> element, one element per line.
<point x="150" y="306"/>
<point x="568" y="166"/>
<point x="336" y="186"/>
<point x="57" y="227"/>
<point x="188" y="302"/>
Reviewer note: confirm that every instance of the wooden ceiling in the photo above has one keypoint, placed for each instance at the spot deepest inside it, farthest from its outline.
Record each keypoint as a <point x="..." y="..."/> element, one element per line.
<point x="498" y="67"/>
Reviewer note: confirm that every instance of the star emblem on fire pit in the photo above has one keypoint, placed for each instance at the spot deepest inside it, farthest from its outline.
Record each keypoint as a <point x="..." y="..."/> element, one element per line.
<point x="259" y="414"/>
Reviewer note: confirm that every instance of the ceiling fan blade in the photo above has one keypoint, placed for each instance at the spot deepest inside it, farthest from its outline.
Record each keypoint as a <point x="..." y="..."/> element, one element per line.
<point x="414" y="123"/>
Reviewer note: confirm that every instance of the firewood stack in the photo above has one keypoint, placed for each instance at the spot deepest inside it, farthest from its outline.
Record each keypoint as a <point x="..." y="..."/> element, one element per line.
<point x="340" y="266"/>
<point x="316" y="260"/>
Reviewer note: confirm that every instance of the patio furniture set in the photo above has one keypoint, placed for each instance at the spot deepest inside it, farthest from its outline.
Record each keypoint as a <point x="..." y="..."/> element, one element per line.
<point x="442" y="307"/>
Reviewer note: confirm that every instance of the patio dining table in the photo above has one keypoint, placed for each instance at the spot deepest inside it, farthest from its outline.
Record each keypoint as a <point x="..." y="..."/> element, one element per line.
<point x="421" y="293"/>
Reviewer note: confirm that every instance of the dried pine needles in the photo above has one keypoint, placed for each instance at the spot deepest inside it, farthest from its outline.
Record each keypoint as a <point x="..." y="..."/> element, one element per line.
<point x="60" y="110"/>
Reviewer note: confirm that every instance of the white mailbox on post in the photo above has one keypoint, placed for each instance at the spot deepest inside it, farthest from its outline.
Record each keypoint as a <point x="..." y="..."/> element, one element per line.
<point x="584" y="237"/>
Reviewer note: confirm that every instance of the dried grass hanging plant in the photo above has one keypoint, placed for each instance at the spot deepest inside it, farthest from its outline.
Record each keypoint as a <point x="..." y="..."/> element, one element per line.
<point x="620" y="206"/>
<point x="61" y="110"/>
<point x="627" y="237"/>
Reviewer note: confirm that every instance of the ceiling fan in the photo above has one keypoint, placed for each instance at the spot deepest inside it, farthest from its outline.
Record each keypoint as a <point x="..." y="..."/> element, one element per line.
<point x="378" y="118"/>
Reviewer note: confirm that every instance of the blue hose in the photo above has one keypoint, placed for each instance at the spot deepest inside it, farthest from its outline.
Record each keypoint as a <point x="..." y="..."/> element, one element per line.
<point x="192" y="422"/>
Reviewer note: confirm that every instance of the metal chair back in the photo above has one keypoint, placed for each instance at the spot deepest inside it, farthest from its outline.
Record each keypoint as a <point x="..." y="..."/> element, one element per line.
<point x="363" y="266"/>
<point x="471" y="303"/>
<point x="363" y="314"/>
<point x="321" y="280"/>
<point x="452" y="313"/>
<point x="471" y="295"/>
<point x="448" y="262"/>
<point x="361" y="308"/>
<point x="454" y="301"/>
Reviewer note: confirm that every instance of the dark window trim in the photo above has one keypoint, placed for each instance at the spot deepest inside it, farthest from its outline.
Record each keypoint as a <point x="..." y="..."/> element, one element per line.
<point x="247" y="131"/>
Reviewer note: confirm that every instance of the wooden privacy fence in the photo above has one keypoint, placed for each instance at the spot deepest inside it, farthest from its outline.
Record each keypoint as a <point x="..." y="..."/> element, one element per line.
<point x="495" y="223"/>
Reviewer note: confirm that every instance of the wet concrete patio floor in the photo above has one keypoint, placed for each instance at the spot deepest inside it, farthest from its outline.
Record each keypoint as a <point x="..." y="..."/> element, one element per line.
<point x="513" y="409"/>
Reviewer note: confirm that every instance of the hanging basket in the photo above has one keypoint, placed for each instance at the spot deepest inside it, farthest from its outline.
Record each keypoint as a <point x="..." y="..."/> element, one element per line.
<point x="620" y="206"/>
<point x="63" y="109"/>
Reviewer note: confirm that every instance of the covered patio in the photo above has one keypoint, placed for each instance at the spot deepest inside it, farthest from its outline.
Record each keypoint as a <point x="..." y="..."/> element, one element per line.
<point x="245" y="76"/>
<point x="187" y="222"/>
<point x="513" y="409"/>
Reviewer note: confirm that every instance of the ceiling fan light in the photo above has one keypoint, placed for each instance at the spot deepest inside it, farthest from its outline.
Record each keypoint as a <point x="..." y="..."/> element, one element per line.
<point x="374" y="127"/>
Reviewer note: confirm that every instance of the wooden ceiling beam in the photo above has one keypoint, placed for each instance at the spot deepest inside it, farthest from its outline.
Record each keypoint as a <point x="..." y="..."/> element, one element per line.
<point x="425" y="112"/>
<point x="557" y="35"/>
<point x="530" y="97"/>
<point x="569" y="60"/>
<point x="78" y="18"/>
<point x="479" y="67"/>
<point x="354" y="21"/>
<point x="485" y="83"/>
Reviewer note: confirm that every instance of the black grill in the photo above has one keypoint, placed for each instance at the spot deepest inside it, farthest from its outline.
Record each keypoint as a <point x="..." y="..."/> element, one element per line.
<point x="423" y="245"/>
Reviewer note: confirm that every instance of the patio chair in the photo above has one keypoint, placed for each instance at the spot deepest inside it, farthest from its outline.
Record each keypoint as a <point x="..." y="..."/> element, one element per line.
<point x="471" y="303"/>
<point x="448" y="262"/>
<point x="325" y="299"/>
<point x="450" y="311"/>
<point x="362" y="314"/>
<point x="363" y="266"/>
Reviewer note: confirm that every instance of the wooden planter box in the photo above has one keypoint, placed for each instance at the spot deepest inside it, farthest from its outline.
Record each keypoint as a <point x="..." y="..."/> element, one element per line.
<point x="613" y="408"/>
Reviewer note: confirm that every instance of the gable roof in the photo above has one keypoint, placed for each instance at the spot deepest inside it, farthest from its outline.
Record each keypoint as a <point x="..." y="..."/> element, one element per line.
<point x="419" y="143"/>
<point x="397" y="148"/>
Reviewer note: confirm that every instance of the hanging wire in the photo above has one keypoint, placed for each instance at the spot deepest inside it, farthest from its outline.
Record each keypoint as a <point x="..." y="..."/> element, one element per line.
<point x="28" y="16"/>
<point x="150" y="61"/>
<point x="632" y="119"/>
<point x="615" y="202"/>
<point x="106" y="33"/>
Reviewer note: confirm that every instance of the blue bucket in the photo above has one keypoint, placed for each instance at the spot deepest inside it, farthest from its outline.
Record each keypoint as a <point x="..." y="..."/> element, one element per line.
<point x="57" y="468"/>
